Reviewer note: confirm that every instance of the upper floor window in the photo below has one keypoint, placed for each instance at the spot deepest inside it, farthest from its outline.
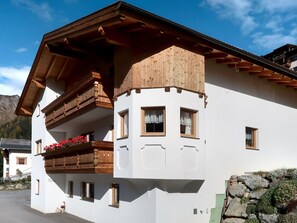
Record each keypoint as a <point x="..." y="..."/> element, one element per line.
<point x="21" y="160"/>
<point x="38" y="146"/>
<point x="90" y="136"/>
<point x="251" y="138"/>
<point x="124" y="116"/>
<point x="153" y="121"/>
<point x="187" y="122"/>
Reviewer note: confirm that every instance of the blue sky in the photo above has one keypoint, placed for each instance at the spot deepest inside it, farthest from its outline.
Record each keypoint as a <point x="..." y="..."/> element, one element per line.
<point x="258" y="26"/>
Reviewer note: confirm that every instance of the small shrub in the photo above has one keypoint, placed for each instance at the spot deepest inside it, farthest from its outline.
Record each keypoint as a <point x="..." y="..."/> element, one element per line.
<point x="294" y="174"/>
<point x="288" y="218"/>
<point x="252" y="220"/>
<point x="251" y="209"/>
<point x="277" y="174"/>
<point x="244" y="200"/>
<point x="265" y="205"/>
<point x="284" y="193"/>
<point x="291" y="206"/>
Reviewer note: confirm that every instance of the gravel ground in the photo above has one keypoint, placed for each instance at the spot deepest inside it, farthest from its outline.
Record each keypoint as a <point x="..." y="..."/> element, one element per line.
<point x="15" y="208"/>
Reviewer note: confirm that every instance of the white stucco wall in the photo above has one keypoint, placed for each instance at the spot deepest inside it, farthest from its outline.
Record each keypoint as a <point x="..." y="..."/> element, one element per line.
<point x="235" y="100"/>
<point x="239" y="100"/>
<point x="44" y="201"/>
<point x="13" y="166"/>
<point x="159" y="157"/>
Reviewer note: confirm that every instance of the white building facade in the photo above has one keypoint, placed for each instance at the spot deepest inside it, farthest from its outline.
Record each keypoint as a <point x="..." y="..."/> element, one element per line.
<point x="166" y="120"/>
<point x="16" y="158"/>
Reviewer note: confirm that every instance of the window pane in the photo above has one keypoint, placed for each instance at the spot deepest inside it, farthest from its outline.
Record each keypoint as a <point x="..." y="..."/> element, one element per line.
<point x="154" y="120"/>
<point x="188" y="122"/>
<point x="124" y="124"/>
<point x="250" y="137"/>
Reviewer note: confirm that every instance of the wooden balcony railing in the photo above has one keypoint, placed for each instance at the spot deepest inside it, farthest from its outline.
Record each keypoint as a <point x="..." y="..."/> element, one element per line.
<point x="91" y="93"/>
<point x="90" y="157"/>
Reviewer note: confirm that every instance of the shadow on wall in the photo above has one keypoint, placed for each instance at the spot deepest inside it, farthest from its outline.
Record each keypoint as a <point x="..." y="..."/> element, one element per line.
<point x="131" y="189"/>
<point x="243" y="82"/>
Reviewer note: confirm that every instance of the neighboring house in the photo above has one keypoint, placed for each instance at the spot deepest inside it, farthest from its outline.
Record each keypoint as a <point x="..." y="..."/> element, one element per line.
<point x="285" y="55"/>
<point x="169" y="114"/>
<point x="16" y="157"/>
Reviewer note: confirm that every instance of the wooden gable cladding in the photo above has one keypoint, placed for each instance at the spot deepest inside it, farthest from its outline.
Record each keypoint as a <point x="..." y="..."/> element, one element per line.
<point x="170" y="67"/>
<point x="241" y="65"/>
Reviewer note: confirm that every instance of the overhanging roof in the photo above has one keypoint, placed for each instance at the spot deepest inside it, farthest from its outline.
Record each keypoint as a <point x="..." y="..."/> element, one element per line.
<point x="78" y="46"/>
<point x="15" y="144"/>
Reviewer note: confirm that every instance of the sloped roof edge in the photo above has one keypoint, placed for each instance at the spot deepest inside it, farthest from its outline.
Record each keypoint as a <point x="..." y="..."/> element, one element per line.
<point x="127" y="9"/>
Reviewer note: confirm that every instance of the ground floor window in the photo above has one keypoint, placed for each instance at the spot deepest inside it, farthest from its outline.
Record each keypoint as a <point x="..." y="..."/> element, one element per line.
<point x="37" y="187"/>
<point x="87" y="191"/>
<point x="115" y="195"/>
<point x="251" y="138"/>
<point x="70" y="188"/>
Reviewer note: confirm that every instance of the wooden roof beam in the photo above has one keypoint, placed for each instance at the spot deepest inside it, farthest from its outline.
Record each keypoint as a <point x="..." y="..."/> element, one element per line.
<point x="113" y="37"/>
<point x="135" y="27"/>
<point x="228" y="60"/>
<point x="76" y="46"/>
<point x="59" y="51"/>
<point x="38" y="83"/>
<point x="216" y="55"/>
<point x="62" y="70"/>
<point x="27" y="111"/>
<point x="241" y="64"/>
<point x="262" y="73"/>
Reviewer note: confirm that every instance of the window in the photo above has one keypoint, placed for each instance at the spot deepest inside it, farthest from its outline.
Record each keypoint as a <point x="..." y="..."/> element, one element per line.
<point x="250" y="138"/>
<point x="21" y="160"/>
<point x="38" y="146"/>
<point x="153" y="121"/>
<point x="124" y="124"/>
<point x="37" y="187"/>
<point x="87" y="191"/>
<point x="90" y="136"/>
<point x="70" y="188"/>
<point x="187" y="122"/>
<point x="115" y="195"/>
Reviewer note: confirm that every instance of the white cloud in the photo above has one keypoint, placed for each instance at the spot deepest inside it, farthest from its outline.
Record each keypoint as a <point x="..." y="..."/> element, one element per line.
<point x="269" y="23"/>
<point x="41" y="10"/>
<point x="12" y="79"/>
<point x="237" y="10"/>
<point x="21" y="50"/>
<point x="272" y="41"/>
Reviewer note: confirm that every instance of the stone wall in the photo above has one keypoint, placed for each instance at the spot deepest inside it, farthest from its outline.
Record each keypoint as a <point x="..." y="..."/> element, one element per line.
<point x="265" y="197"/>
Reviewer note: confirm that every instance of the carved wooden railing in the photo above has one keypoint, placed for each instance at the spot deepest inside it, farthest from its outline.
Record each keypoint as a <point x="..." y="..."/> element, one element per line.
<point x="90" y="157"/>
<point x="91" y="93"/>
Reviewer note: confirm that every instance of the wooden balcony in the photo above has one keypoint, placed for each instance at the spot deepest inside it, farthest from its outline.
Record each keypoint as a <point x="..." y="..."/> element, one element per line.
<point x="90" y="157"/>
<point x="90" y="94"/>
